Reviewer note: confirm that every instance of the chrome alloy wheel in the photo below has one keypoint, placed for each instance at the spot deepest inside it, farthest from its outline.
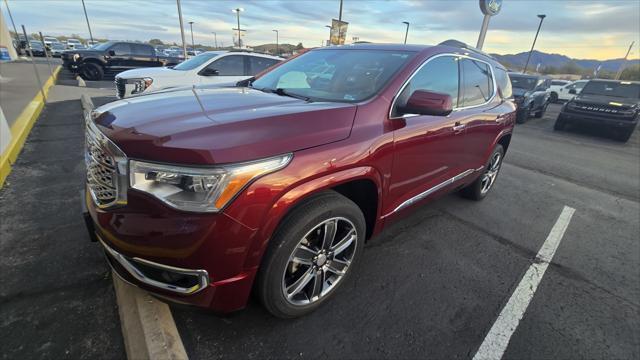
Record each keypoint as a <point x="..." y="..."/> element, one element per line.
<point x="319" y="261"/>
<point x="491" y="173"/>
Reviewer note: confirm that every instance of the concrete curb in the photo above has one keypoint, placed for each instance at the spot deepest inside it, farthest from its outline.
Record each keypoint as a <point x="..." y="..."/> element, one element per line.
<point x="87" y="104"/>
<point x="81" y="82"/>
<point x="22" y="126"/>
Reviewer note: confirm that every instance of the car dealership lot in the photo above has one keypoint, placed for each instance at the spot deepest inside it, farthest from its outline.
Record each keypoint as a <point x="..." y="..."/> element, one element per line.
<point x="432" y="285"/>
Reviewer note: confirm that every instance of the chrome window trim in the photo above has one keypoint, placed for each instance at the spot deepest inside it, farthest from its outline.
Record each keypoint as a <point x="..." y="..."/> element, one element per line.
<point x="128" y="264"/>
<point x="459" y="56"/>
<point x="431" y="190"/>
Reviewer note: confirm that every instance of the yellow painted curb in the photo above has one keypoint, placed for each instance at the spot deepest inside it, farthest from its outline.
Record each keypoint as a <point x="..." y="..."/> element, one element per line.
<point x="22" y="126"/>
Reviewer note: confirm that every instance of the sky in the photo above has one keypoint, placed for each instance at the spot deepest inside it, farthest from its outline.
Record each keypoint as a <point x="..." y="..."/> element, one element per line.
<point x="585" y="29"/>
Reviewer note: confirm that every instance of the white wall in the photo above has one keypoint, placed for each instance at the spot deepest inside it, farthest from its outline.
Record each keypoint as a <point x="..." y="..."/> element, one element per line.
<point x="5" y="132"/>
<point x="5" y="38"/>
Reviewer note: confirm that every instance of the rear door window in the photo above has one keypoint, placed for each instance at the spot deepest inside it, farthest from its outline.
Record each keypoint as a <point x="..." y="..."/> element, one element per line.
<point x="477" y="82"/>
<point x="142" y="50"/>
<point x="230" y="65"/>
<point x="257" y="64"/>
<point x="121" y="49"/>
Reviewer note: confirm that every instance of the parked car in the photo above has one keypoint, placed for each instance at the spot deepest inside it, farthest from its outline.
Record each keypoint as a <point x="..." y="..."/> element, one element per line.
<point x="50" y="40"/>
<point x="208" y="68"/>
<point x="611" y="104"/>
<point x="566" y="94"/>
<point x="531" y="93"/>
<point x="555" y="87"/>
<point x="202" y="196"/>
<point x="113" y="56"/>
<point x="36" y="48"/>
<point x="73" y="43"/>
<point x="57" y="49"/>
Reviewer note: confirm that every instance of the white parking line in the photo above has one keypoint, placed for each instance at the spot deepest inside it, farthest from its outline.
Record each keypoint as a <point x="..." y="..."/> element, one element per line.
<point x="497" y="340"/>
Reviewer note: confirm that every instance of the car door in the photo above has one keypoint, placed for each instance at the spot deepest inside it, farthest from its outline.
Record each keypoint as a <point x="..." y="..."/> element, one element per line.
<point x="426" y="148"/>
<point x="479" y="112"/>
<point x="143" y="56"/>
<point x="119" y="56"/>
<point x="228" y="68"/>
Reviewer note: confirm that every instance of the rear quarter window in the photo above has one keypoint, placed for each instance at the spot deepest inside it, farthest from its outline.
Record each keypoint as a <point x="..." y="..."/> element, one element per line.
<point x="504" y="83"/>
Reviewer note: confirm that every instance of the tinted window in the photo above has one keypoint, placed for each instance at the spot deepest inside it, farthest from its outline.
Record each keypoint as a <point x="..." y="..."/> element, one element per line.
<point x="257" y="64"/>
<point x="345" y="75"/>
<point x="195" y="61"/>
<point x="232" y="65"/>
<point x="622" y="89"/>
<point x="142" y="50"/>
<point x="523" y="82"/>
<point x="121" y="49"/>
<point x="558" y="83"/>
<point x="477" y="84"/>
<point x="438" y="75"/>
<point x="579" y="85"/>
<point x="504" y="83"/>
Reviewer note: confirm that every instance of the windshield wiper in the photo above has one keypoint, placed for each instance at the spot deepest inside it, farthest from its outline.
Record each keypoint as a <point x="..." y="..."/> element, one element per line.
<point x="283" y="92"/>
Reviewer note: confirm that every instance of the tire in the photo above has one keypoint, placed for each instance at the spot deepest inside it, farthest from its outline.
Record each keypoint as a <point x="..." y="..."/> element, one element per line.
<point x="302" y="232"/>
<point x="624" y="135"/>
<point x="479" y="188"/>
<point x="540" y="113"/>
<point x="560" y="124"/>
<point x="553" y="97"/>
<point x="92" y="71"/>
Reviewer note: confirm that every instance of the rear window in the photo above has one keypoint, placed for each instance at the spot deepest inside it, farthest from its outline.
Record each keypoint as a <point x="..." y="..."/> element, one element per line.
<point x="622" y="89"/>
<point x="477" y="83"/>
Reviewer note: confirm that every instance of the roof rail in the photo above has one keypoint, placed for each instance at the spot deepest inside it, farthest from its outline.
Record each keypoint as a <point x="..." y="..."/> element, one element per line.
<point x="461" y="45"/>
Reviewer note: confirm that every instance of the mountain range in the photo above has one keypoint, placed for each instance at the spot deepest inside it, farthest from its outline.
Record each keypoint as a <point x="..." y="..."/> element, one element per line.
<point x="557" y="60"/>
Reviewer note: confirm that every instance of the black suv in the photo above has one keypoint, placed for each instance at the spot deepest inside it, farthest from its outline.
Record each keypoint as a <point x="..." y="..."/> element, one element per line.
<point x="531" y="93"/>
<point x="610" y="103"/>
<point x="114" y="57"/>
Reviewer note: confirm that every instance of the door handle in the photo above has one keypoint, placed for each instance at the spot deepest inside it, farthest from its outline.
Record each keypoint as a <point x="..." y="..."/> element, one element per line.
<point x="458" y="127"/>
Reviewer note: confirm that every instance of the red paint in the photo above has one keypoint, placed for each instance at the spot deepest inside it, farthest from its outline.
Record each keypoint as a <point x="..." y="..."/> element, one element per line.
<point x="332" y="143"/>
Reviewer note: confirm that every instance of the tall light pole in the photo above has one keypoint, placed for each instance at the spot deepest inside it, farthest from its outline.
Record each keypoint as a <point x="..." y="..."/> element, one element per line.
<point x="277" y="43"/>
<point x="215" y="39"/>
<point x="15" y="30"/>
<point x="193" y="45"/>
<point x="489" y="8"/>
<point x="340" y="24"/>
<point x="184" y="45"/>
<point x="406" y="33"/>
<point x="237" y="11"/>
<point x="623" y="62"/>
<point x="87" y="17"/>
<point x="329" y="26"/>
<point x="541" y="16"/>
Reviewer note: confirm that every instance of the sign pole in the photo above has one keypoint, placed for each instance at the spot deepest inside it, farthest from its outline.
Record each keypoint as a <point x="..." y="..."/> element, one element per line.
<point x="489" y="8"/>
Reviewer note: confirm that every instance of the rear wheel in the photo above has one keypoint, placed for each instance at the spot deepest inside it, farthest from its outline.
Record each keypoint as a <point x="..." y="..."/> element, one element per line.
<point x="478" y="189"/>
<point x="523" y="115"/>
<point x="312" y="253"/>
<point x="553" y="97"/>
<point x="91" y="71"/>
<point x="540" y="113"/>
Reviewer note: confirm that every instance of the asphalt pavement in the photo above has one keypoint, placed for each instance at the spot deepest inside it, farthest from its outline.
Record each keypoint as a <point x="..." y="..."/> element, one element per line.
<point x="430" y="286"/>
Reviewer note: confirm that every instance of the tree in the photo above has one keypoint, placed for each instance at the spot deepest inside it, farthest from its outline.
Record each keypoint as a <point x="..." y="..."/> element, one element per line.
<point x="299" y="46"/>
<point x="631" y="73"/>
<point x="156" y="42"/>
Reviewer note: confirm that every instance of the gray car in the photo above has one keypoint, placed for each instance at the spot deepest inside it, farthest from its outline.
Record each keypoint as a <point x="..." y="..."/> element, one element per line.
<point x="531" y="93"/>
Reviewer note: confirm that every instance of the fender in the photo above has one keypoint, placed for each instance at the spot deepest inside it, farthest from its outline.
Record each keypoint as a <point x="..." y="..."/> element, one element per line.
<point x="294" y="196"/>
<point x="501" y="134"/>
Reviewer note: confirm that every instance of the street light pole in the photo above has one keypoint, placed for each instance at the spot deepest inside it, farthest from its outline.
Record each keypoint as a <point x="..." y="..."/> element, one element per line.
<point x="184" y="45"/>
<point x="87" y="17"/>
<point x="15" y="30"/>
<point x="624" y="61"/>
<point x="215" y="39"/>
<point x="193" y="45"/>
<point x="329" y="26"/>
<point x="406" y="33"/>
<point x="237" y="11"/>
<point x="277" y="43"/>
<point x="541" y="16"/>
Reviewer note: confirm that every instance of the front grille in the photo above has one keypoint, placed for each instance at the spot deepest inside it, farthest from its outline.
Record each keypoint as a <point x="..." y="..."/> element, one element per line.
<point x="120" y="87"/>
<point x="103" y="177"/>
<point x="601" y="109"/>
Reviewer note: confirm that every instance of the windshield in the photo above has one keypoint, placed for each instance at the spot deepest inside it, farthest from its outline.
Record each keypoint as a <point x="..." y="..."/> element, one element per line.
<point x="335" y="75"/>
<point x="36" y="44"/>
<point x="57" y="46"/>
<point x="196" y="61"/>
<point x="523" y="82"/>
<point x="622" y="89"/>
<point x="103" y="46"/>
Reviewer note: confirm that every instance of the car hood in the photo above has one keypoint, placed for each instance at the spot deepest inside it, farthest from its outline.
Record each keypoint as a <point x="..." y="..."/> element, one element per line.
<point x="519" y="92"/>
<point x="606" y="100"/>
<point x="152" y="72"/>
<point x="220" y="125"/>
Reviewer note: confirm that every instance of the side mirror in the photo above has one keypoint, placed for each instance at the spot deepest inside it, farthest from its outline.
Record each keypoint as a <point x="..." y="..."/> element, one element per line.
<point x="428" y="103"/>
<point x="112" y="53"/>
<point x="572" y="91"/>
<point x="209" y="72"/>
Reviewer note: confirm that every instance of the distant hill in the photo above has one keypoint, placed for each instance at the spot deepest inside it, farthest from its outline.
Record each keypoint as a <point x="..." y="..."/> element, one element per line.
<point x="271" y="48"/>
<point x="557" y="61"/>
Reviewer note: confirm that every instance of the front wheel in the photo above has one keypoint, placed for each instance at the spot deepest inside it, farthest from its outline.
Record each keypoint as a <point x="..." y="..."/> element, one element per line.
<point x="478" y="189"/>
<point x="312" y="253"/>
<point x="91" y="71"/>
<point x="540" y="113"/>
<point x="553" y="97"/>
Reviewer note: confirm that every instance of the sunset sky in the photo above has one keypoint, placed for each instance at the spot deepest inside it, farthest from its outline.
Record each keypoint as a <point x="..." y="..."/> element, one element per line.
<point x="579" y="29"/>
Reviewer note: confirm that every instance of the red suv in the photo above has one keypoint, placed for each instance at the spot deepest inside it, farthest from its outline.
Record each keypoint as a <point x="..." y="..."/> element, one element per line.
<point x="201" y="196"/>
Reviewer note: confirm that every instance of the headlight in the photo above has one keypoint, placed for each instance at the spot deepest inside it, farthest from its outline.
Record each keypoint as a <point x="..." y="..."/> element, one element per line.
<point x="197" y="188"/>
<point x="140" y="85"/>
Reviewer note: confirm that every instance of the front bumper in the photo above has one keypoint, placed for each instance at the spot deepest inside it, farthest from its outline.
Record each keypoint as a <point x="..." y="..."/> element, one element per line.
<point x="611" y="122"/>
<point x="194" y="259"/>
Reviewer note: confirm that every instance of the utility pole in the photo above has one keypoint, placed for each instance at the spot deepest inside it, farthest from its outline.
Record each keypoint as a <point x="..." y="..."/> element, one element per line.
<point x="184" y="45"/>
<point x="541" y="16"/>
<point x="624" y="62"/>
<point x="87" y="17"/>
<point x="193" y="45"/>
<point x="339" y="23"/>
<point x="215" y="39"/>
<point x="237" y="11"/>
<point x="406" y="33"/>
<point x="15" y="30"/>
<point x="277" y="43"/>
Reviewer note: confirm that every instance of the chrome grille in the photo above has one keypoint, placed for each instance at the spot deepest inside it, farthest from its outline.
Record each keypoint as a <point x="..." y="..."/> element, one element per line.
<point x="120" y="87"/>
<point x="103" y="177"/>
